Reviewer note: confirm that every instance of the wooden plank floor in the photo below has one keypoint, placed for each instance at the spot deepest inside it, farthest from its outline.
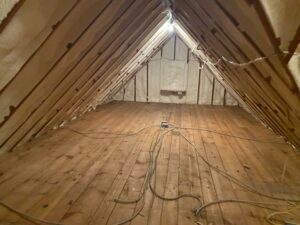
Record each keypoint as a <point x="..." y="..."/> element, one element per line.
<point x="70" y="178"/>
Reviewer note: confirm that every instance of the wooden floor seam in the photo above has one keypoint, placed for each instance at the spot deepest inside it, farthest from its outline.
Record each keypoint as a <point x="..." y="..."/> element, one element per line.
<point x="72" y="179"/>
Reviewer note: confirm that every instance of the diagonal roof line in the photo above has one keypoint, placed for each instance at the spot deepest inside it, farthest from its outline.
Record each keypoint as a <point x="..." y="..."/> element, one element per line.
<point x="193" y="45"/>
<point x="130" y="76"/>
<point x="155" y="43"/>
<point x="136" y="63"/>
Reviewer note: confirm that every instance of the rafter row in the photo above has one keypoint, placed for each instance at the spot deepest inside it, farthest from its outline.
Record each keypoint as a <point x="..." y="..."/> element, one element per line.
<point x="78" y="63"/>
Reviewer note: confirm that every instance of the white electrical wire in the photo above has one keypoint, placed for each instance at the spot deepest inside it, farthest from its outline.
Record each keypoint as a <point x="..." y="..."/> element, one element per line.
<point x="28" y="216"/>
<point x="234" y="179"/>
<point x="228" y="135"/>
<point x="223" y="58"/>
<point x="119" y="135"/>
<point x="151" y="172"/>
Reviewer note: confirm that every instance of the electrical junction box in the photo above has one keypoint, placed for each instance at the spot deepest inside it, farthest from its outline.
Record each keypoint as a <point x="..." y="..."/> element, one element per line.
<point x="164" y="124"/>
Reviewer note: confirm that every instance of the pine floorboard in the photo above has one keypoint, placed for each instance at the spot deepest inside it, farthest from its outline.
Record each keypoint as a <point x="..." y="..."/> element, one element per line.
<point x="69" y="178"/>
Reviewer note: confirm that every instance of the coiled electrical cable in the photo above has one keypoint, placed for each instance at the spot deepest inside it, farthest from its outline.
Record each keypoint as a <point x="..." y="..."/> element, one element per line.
<point x="151" y="173"/>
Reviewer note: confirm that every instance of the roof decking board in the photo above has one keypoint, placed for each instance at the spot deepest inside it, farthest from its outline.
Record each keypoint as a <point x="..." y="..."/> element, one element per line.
<point x="75" y="64"/>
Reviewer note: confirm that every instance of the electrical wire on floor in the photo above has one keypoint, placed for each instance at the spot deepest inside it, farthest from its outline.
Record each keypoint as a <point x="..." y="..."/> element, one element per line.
<point x="200" y="208"/>
<point x="235" y="180"/>
<point x="151" y="171"/>
<point x="143" y="190"/>
<point x="119" y="135"/>
<point x="148" y="180"/>
<point x="36" y="220"/>
<point x="229" y="135"/>
<point x="289" y="212"/>
<point x="28" y="217"/>
<point x="294" y="202"/>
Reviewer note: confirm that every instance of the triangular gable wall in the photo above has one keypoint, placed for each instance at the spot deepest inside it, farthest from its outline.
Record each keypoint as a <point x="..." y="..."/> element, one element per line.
<point x="260" y="81"/>
<point x="202" y="86"/>
<point x="78" y="53"/>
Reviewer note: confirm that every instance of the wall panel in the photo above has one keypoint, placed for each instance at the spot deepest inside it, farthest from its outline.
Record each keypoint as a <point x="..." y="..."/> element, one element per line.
<point x="207" y="92"/>
<point x="141" y="85"/>
<point x="153" y="81"/>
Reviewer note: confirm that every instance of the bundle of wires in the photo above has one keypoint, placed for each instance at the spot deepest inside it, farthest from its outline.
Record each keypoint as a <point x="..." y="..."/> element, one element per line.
<point x="90" y="134"/>
<point x="197" y="210"/>
<point x="150" y="180"/>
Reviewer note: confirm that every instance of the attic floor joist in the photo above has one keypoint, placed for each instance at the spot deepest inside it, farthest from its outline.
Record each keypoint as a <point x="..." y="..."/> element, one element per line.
<point x="72" y="178"/>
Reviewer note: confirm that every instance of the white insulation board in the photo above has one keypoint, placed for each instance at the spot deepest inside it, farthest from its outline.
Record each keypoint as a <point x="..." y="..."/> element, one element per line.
<point x="168" y="75"/>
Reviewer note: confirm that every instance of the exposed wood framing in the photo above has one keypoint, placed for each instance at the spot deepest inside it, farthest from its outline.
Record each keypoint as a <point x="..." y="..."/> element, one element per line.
<point x="192" y="94"/>
<point x="75" y="60"/>
<point x="141" y="58"/>
<point x="199" y="81"/>
<point x="147" y="83"/>
<point x="11" y="12"/>
<point x="266" y="87"/>
<point x="71" y="179"/>
<point x="68" y="80"/>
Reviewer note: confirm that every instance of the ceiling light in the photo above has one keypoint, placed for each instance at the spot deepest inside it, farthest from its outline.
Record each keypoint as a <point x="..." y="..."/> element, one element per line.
<point x="171" y="28"/>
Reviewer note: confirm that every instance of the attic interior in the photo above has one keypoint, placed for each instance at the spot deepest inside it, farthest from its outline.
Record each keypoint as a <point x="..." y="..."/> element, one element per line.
<point x="149" y="112"/>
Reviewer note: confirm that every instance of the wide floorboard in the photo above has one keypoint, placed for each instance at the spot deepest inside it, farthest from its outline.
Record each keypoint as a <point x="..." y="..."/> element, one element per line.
<point x="73" y="175"/>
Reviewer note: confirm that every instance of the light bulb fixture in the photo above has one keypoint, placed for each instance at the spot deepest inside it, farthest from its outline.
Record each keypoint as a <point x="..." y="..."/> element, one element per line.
<point x="171" y="28"/>
<point x="170" y="25"/>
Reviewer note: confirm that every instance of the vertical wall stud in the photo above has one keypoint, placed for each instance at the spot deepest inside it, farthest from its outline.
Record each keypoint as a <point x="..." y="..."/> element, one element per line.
<point x="135" y="88"/>
<point x="199" y="81"/>
<point x="175" y="40"/>
<point x="224" y="97"/>
<point x="147" y="97"/>
<point x="124" y="91"/>
<point x="212" y="92"/>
